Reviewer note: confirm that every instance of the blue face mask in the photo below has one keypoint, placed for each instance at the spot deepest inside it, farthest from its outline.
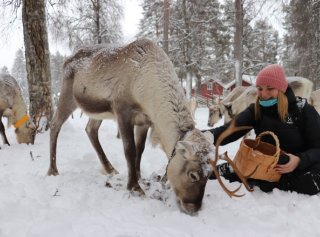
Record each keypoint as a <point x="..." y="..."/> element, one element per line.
<point x="268" y="103"/>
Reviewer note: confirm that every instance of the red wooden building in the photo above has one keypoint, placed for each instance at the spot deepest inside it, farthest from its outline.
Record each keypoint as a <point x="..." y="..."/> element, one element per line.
<point x="212" y="88"/>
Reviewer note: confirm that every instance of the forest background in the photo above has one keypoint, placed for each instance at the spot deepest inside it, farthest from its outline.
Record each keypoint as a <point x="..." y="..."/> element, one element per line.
<point x="220" y="40"/>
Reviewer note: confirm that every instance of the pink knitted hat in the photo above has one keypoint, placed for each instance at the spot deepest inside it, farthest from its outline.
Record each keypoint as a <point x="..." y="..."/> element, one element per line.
<point x="273" y="76"/>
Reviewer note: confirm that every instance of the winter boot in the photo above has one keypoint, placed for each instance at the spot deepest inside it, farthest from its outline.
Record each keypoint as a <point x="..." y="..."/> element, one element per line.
<point x="225" y="170"/>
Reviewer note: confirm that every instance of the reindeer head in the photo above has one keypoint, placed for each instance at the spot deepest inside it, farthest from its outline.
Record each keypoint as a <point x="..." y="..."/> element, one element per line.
<point x="26" y="132"/>
<point x="228" y="113"/>
<point x="187" y="170"/>
<point x="215" y="114"/>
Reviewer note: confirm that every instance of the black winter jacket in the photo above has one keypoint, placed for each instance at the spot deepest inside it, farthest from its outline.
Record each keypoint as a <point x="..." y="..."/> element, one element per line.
<point x="299" y="135"/>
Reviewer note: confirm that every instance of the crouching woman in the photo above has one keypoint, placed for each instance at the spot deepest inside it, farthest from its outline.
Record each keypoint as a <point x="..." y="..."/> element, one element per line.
<point x="293" y="121"/>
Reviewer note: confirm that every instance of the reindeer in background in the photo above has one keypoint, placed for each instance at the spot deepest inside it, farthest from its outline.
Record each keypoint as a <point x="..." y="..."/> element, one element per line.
<point x="217" y="110"/>
<point x="315" y="100"/>
<point x="14" y="108"/>
<point x="192" y="105"/>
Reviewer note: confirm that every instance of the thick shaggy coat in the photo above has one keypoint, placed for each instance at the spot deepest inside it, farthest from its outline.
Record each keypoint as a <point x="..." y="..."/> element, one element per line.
<point x="137" y="85"/>
<point x="315" y="99"/>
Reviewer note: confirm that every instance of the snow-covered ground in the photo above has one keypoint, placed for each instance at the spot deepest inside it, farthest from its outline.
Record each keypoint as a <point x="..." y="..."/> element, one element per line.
<point x="78" y="203"/>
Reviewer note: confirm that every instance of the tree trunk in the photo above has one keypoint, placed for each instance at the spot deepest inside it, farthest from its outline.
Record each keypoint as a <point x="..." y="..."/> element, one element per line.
<point x="316" y="45"/>
<point x="37" y="61"/>
<point x="238" y="44"/>
<point x="97" y="37"/>
<point x="166" y="7"/>
<point x="187" y="48"/>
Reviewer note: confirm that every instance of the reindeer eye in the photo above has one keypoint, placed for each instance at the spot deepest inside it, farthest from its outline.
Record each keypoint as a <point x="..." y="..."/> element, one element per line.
<point x="193" y="177"/>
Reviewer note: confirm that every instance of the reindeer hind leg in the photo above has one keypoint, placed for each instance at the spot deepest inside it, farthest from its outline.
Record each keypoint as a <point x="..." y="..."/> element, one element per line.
<point x="92" y="129"/>
<point x="140" y="139"/>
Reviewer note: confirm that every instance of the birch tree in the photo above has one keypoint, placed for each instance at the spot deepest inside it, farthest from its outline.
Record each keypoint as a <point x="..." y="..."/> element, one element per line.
<point x="238" y="39"/>
<point x="84" y="22"/>
<point x="18" y="71"/>
<point x="166" y="7"/>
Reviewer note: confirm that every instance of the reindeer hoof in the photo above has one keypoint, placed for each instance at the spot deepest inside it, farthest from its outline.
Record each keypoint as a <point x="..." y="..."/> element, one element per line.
<point x="110" y="172"/>
<point x="137" y="191"/>
<point x="53" y="171"/>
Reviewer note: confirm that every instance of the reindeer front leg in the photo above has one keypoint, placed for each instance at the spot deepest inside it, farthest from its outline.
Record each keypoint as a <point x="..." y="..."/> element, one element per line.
<point x="66" y="106"/>
<point x="140" y="138"/>
<point x="126" y="129"/>
<point x="92" y="129"/>
<point x="2" y="132"/>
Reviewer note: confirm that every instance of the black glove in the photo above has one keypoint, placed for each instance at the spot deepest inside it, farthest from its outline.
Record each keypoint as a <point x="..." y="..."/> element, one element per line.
<point x="283" y="159"/>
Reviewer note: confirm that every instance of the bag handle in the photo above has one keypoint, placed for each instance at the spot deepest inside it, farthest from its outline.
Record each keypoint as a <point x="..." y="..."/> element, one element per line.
<point x="274" y="136"/>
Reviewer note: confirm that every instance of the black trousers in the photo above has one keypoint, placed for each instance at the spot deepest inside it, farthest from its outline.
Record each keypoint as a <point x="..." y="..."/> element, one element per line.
<point x="307" y="182"/>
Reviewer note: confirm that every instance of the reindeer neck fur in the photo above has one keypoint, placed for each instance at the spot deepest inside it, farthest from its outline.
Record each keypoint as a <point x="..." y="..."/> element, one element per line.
<point x="170" y="128"/>
<point x="19" y="107"/>
<point x="160" y="95"/>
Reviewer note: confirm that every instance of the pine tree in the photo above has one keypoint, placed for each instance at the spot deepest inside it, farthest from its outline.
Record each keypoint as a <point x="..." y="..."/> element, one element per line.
<point x="264" y="47"/>
<point x="19" y="72"/>
<point x="151" y="24"/>
<point x="301" y="44"/>
<point x="4" y="70"/>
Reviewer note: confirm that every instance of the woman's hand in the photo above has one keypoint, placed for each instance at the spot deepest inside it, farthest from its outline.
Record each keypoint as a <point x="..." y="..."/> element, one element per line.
<point x="290" y="166"/>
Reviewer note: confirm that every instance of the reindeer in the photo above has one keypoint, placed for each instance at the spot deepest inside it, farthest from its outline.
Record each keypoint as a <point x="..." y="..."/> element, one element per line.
<point x="234" y="107"/>
<point x="301" y="86"/>
<point x="137" y="85"/>
<point x="14" y="108"/>
<point x="217" y="110"/>
<point x="315" y="100"/>
<point x="192" y="105"/>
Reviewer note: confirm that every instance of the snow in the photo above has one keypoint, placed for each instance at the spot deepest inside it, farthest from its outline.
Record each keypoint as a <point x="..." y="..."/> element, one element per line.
<point x="78" y="203"/>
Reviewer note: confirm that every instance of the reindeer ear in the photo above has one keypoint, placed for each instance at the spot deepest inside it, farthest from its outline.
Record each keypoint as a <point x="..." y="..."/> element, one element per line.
<point x="209" y="136"/>
<point x="185" y="148"/>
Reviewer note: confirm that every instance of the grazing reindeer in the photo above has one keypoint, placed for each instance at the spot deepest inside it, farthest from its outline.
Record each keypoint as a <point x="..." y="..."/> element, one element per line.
<point x="234" y="107"/>
<point x="14" y="108"/>
<point x="137" y="84"/>
<point x="217" y="110"/>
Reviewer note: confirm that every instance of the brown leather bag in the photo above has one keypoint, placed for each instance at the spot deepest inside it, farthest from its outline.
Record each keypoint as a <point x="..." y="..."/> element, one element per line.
<point x="256" y="159"/>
